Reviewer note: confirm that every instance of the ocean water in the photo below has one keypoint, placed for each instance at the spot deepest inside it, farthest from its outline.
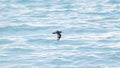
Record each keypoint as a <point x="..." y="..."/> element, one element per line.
<point x="90" y="38"/>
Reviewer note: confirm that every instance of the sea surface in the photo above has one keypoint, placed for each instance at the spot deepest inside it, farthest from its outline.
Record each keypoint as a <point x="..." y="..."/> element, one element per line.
<point x="90" y="38"/>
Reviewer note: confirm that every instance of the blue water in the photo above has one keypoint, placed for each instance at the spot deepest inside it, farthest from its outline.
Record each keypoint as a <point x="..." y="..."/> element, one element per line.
<point x="90" y="38"/>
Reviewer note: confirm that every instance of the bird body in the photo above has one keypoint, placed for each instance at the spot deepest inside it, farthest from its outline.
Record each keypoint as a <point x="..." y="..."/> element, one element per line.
<point x="58" y="34"/>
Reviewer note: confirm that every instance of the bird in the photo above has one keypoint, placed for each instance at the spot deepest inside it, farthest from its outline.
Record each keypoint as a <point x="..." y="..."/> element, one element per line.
<point x="58" y="34"/>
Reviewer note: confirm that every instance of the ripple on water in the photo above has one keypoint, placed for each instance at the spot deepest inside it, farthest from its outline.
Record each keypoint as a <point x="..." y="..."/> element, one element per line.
<point x="19" y="50"/>
<point x="5" y="41"/>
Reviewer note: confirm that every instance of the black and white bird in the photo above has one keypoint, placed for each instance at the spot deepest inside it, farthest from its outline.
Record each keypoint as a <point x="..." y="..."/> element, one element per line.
<point x="58" y="34"/>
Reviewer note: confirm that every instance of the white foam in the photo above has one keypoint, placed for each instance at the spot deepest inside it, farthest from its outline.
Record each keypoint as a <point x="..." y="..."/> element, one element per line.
<point x="93" y="36"/>
<point x="18" y="39"/>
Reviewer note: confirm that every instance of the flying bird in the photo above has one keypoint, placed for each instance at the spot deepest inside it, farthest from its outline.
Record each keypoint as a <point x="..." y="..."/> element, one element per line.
<point x="58" y="34"/>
